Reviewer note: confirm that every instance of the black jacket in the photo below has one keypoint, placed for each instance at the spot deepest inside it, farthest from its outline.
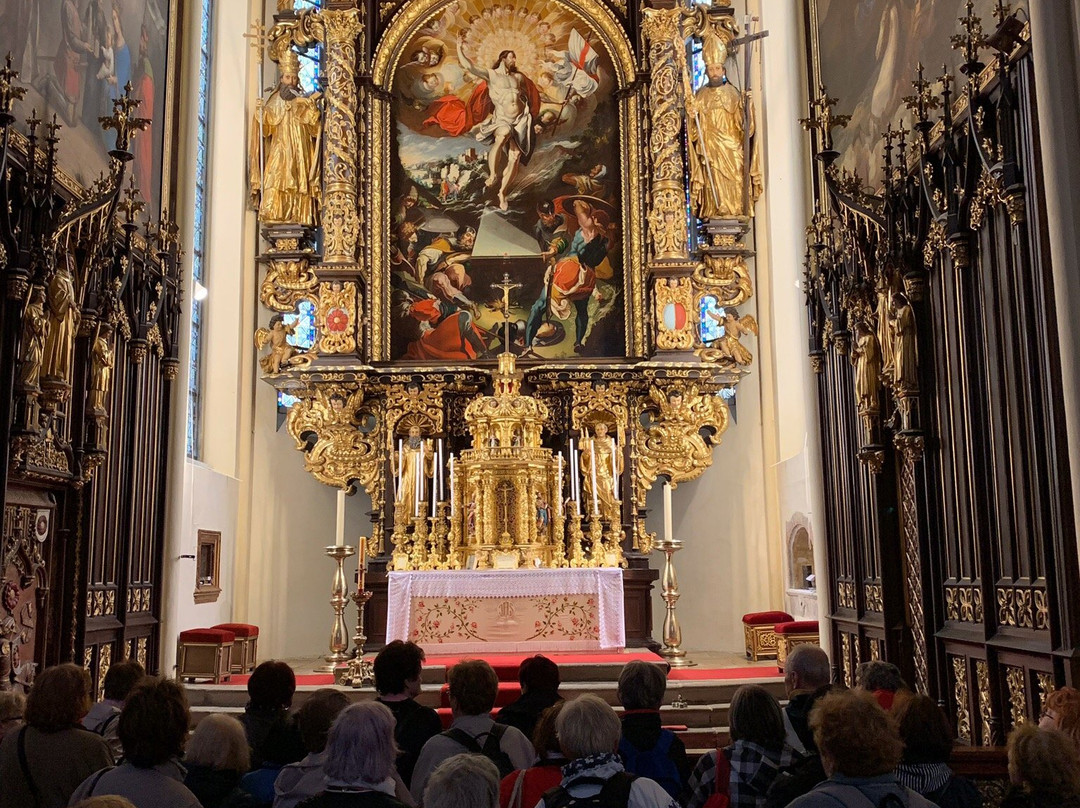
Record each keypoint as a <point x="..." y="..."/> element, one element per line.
<point x="525" y="711"/>
<point x="415" y="725"/>
<point x="217" y="788"/>
<point x="641" y="728"/>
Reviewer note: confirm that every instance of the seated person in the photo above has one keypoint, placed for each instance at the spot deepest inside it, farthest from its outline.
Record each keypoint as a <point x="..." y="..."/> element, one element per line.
<point x="525" y="786"/>
<point x="473" y="688"/>
<point x="928" y="743"/>
<point x="645" y="747"/>
<point x="104" y="716"/>
<point x="806" y="670"/>
<point x="266" y="718"/>
<point x="589" y="732"/>
<point x="1042" y="769"/>
<point x="883" y="679"/>
<point x="217" y="756"/>
<point x="464" y="780"/>
<point x="1061" y="710"/>
<point x="397" y="681"/>
<point x="539" y="679"/>
<point x="298" y="781"/>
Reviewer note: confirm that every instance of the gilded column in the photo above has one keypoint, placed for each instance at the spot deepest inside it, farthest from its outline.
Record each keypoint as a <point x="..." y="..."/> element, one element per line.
<point x="667" y="208"/>
<point x="340" y="220"/>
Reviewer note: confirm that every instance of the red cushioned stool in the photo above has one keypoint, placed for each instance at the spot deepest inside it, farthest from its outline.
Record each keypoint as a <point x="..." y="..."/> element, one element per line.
<point x="792" y="633"/>
<point x="204" y="653"/>
<point x="245" y="648"/>
<point x="760" y="637"/>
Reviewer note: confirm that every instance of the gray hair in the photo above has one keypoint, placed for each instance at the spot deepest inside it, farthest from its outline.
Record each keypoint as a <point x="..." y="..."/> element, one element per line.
<point x="361" y="744"/>
<point x="641" y="686"/>
<point x="588" y="726"/>
<point x="810" y="664"/>
<point x="878" y="675"/>
<point x="463" y="781"/>
<point x="219" y="742"/>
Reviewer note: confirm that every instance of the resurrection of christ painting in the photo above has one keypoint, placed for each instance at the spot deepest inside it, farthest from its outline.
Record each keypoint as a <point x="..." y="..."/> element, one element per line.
<point x="74" y="57"/>
<point x="868" y="50"/>
<point x="506" y="163"/>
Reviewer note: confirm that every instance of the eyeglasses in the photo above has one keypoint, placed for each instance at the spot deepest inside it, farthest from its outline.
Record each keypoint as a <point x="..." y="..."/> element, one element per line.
<point x="1048" y="714"/>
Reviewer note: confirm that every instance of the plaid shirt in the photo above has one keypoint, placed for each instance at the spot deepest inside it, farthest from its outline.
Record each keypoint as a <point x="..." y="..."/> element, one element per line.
<point x="753" y="769"/>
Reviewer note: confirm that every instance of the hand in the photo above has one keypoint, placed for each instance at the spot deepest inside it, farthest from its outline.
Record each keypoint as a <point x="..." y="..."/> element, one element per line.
<point x="538" y="129"/>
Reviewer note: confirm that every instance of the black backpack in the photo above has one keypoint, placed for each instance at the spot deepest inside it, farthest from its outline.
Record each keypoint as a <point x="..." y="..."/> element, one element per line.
<point x="614" y="793"/>
<point x="492" y="748"/>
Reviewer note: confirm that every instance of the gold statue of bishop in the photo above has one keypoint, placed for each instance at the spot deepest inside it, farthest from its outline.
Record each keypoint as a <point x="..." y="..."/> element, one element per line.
<point x="717" y="128"/>
<point x="283" y="154"/>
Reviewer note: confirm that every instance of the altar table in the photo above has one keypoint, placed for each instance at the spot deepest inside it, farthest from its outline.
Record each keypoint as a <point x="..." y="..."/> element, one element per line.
<point x="492" y="611"/>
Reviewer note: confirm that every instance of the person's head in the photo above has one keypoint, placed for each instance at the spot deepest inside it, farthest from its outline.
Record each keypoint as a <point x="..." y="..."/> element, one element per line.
<point x="878" y="675"/>
<point x="271" y="686"/>
<point x="153" y="725"/>
<point x="12" y="707"/>
<point x="545" y="739"/>
<point x="641" y="684"/>
<point x="1062" y="711"/>
<point x="508" y="59"/>
<point x="538" y="673"/>
<point x="854" y="736"/>
<point x="121" y="678"/>
<point x="316" y="716"/>
<point x="361" y="745"/>
<point x="466" y="237"/>
<point x="473" y="687"/>
<point x="806" y="669"/>
<point x="924" y="729"/>
<point x="755" y="716"/>
<point x="59" y="698"/>
<point x="398" y="666"/>
<point x="219" y="742"/>
<point x="546" y="213"/>
<point x="1043" y="763"/>
<point x="587" y="726"/>
<point x="463" y="781"/>
<point x="106" y="801"/>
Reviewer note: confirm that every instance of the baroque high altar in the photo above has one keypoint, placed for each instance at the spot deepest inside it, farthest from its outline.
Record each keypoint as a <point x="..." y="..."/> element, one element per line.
<point x="516" y="331"/>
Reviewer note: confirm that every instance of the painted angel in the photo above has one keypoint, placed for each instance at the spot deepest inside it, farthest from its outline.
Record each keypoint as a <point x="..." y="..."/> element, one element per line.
<point x="728" y="345"/>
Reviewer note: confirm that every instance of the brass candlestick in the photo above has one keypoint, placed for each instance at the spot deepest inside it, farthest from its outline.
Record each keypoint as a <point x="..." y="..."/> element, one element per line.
<point x="596" y="542"/>
<point x="672" y="650"/>
<point x="339" y="596"/>
<point x="360" y="670"/>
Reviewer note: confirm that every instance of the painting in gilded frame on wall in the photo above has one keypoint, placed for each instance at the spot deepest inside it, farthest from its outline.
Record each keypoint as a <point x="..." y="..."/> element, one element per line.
<point x="74" y="57"/>
<point x="867" y="52"/>
<point x="505" y="161"/>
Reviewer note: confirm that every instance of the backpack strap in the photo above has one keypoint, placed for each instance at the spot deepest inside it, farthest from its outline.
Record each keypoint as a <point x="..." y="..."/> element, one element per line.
<point x="493" y="741"/>
<point x="107" y="723"/>
<point x="559" y="797"/>
<point x="463" y="738"/>
<point x="616" y="791"/>
<point x="24" y="764"/>
<point x="97" y="777"/>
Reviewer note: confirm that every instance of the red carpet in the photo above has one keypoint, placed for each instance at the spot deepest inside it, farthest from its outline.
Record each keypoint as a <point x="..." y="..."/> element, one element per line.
<point x="698" y="674"/>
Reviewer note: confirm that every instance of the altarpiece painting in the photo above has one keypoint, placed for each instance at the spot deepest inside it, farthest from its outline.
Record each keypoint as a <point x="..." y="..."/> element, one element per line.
<point x="505" y="161"/>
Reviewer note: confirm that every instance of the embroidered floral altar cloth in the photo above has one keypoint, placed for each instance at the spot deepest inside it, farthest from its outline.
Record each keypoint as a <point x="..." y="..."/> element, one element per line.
<point x="492" y="611"/>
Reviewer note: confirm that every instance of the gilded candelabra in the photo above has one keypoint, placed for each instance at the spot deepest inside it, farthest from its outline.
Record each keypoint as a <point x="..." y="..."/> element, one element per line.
<point x="360" y="670"/>
<point x="672" y="650"/>
<point x="596" y="542"/>
<point x="577" y="551"/>
<point x="339" y="596"/>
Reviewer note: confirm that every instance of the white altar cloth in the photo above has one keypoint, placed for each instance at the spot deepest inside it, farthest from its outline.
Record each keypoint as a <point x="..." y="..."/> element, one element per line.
<point x="493" y="611"/>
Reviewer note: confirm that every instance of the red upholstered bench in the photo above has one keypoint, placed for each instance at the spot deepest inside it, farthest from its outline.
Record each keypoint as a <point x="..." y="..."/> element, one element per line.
<point x="792" y="633"/>
<point x="204" y="653"/>
<point x="245" y="647"/>
<point x="760" y="637"/>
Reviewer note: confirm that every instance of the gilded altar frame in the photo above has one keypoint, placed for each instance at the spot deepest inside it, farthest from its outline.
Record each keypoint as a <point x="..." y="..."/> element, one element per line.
<point x="375" y="175"/>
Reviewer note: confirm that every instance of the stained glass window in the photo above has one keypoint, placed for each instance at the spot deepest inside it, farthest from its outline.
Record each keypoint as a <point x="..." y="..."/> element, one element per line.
<point x="311" y="58"/>
<point x="711" y="317"/>
<point x="198" y="239"/>
<point x="303" y="337"/>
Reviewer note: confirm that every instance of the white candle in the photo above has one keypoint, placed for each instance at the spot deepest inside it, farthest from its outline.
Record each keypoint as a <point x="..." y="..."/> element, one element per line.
<point x="419" y="481"/>
<point x="434" y="497"/>
<point x="558" y="486"/>
<point x="614" y="471"/>
<point x="442" y="470"/>
<point x="339" y="535"/>
<point x="667" y="511"/>
<point x="400" y="459"/>
<point x="451" y="486"/>
<point x="363" y="557"/>
<point x="595" y="493"/>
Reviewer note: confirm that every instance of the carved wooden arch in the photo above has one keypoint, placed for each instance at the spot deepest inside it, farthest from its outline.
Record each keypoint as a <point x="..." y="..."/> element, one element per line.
<point x="375" y="182"/>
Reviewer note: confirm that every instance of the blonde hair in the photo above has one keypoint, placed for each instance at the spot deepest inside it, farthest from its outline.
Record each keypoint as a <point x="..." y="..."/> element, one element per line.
<point x="219" y="742"/>
<point x="1043" y="761"/>
<point x="588" y="726"/>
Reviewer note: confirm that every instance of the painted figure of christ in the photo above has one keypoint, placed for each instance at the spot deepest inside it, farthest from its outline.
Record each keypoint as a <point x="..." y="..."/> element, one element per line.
<point x="511" y="125"/>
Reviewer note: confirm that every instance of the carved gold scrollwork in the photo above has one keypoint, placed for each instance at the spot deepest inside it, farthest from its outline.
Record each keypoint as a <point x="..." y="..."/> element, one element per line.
<point x="988" y="193"/>
<point x="667" y="214"/>
<point x="1045" y="680"/>
<point x="1041" y="610"/>
<point x="960" y="698"/>
<point x="287" y="282"/>
<point x="606" y="400"/>
<point x="982" y="679"/>
<point x="339" y="30"/>
<point x="674" y="292"/>
<point x="726" y="277"/>
<point x="411" y="404"/>
<point x="913" y="568"/>
<point x="672" y="444"/>
<point x="1015" y="684"/>
<point x="845" y="659"/>
<point x="935" y="243"/>
<point x="337" y="317"/>
<point x="326" y="423"/>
